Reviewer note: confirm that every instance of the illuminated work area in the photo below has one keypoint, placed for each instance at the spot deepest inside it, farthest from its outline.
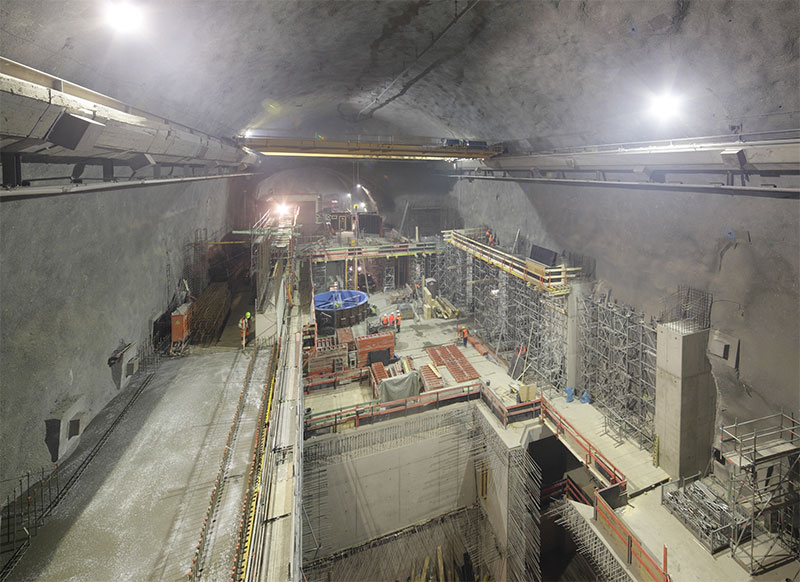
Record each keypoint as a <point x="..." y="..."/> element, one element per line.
<point x="402" y="290"/>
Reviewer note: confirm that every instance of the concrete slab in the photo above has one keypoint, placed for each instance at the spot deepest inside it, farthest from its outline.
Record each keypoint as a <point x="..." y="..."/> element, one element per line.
<point x="137" y="510"/>
<point x="635" y="463"/>
<point x="687" y="559"/>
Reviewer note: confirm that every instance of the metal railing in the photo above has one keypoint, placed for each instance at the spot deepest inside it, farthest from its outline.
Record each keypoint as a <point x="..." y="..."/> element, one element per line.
<point x="638" y="557"/>
<point x="545" y="278"/>
<point x="565" y="488"/>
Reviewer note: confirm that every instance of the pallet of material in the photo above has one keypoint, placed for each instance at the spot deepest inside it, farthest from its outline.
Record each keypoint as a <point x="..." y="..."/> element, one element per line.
<point x="430" y="379"/>
<point x="377" y="372"/>
<point x="344" y="335"/>
<point x="455" y="361"/>
<point x="478" y="345"/>
<point x="366" y="344"/>
<point x="325" y="359"/>
<point x="208" y="313"/>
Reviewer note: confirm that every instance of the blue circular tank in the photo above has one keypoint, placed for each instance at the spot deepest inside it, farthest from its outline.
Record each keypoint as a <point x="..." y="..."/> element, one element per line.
<point x="340" y="308"/>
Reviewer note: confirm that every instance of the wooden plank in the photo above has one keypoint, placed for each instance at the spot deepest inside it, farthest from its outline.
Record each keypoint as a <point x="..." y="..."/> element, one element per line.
<point x="424" y="575"/>
<point x="441" y="563"/>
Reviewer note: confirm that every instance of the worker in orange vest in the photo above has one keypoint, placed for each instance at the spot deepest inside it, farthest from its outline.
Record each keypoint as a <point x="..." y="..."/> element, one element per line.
<point x="391" y="319"/>
<point x="398" y="320"/>
<point x="385" y="321"/>
<point x="464" y="335"/>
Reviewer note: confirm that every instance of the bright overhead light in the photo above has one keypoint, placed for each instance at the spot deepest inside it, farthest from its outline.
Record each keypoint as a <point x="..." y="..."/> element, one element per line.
<point x="363" y="205"/>
<point x="124" y="17"/>
<point x="358" y="185"/>
<point x="281" y="209"/>
<point x="665" y="107"/>
<point x="348" y="194"/>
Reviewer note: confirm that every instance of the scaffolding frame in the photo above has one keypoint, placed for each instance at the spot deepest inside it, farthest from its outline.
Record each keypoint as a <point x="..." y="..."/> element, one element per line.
<point x="618" y="367"/>
<point x="763" y="456"/>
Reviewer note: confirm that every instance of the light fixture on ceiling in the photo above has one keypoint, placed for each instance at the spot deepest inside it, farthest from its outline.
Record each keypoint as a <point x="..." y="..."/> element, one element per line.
<point x="363" y="206"/>
<point x="124" y="17"/>
<point x="281" y="209"/>
<point x="665" y="106"/>
<point x="358" y="185"/>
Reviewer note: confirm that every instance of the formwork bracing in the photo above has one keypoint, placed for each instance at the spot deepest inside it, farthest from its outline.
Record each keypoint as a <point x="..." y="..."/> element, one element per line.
<point x="464" y="440"/>
<point x="618" y="366"/>
<point x="589" y="544"/>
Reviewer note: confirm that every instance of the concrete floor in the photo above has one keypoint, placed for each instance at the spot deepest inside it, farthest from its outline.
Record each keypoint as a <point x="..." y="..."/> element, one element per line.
<point x="136" y="512"/>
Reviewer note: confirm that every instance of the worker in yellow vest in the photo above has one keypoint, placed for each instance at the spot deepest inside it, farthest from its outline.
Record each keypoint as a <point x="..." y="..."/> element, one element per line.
<point x="244" y="327"/>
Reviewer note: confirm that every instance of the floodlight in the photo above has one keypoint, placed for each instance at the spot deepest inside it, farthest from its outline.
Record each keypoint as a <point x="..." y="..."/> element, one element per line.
<point x="664" y="107"/>
<point x="124" y="17"/>
<point x="281" y="209"/>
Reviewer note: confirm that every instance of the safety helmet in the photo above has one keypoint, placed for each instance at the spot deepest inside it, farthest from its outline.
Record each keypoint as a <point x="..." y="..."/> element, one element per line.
<point x="247" y="315"/>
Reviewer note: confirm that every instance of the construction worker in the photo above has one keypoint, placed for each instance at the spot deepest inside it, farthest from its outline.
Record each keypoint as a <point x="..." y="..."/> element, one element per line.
<point x="391" y="320"/>
<point x="464" y="335"/>
<point x="244" y="327"/>
<point x="398" y="320"/>
<point x="385" y="320"/>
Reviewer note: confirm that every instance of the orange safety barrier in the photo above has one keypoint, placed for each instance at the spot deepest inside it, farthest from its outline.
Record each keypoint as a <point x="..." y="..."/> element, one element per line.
<point x="645" y="564"/>
<point x="606" y="467"/>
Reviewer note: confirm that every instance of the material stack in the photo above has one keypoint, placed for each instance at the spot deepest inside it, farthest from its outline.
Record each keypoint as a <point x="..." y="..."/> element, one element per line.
<point x="208" y="313"/>
<point x="344" y="335"/>
<point x="329" y="357"/>
<point x="451" y="357"/>
<point x="377" y="372"/>
<point x="366" y="344"/>
<point x="431" y="378"/>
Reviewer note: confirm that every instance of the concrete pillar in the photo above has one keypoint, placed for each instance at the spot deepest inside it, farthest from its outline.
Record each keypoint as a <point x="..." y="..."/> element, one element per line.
<point x="573" y="334"/>
<point x="685" y="401"/>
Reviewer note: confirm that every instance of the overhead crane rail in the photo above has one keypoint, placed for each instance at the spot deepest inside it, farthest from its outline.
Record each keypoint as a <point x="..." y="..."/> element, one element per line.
<point x="356" y="147"/>
<point x="551" y="280"/>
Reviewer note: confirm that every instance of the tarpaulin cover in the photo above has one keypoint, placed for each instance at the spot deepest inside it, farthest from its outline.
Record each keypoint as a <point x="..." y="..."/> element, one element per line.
<point x="399" y="387"/>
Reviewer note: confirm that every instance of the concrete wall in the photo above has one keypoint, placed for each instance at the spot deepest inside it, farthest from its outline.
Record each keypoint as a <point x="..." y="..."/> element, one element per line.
<point x="380" y="493"/>
<point x="647" y="242"/>
<point x="80" y="276"/>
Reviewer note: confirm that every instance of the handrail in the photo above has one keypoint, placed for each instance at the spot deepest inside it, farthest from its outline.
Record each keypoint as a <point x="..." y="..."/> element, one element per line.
<point x="566" y="487"/>
<point x="635" y="548"/>
<point x="614" y="475"/>
<point x="530" y="271"/>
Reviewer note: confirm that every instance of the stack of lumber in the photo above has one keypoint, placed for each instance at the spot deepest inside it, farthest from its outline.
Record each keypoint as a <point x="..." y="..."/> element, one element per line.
<point x="366" y="344"/>
<point x="208" y="313"/>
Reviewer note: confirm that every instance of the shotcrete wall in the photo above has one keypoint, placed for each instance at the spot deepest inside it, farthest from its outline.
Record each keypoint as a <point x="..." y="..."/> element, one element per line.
<point x="80" y="276"/>
<point x="646" y="242"/>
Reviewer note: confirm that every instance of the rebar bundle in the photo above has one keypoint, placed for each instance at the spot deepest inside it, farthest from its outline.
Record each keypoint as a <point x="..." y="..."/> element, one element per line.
<point x="209" y="312"/>
<point x="687" y="310"/>
<point x="618" y="361"/>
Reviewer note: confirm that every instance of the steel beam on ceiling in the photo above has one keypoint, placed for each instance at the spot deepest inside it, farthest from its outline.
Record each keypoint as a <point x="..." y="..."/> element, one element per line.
<point x="436" y="149"/>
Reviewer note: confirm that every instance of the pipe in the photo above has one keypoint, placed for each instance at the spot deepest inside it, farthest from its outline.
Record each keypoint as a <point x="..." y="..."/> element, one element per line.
<point x="792" y="193"/>
<point x="38" y="191"/>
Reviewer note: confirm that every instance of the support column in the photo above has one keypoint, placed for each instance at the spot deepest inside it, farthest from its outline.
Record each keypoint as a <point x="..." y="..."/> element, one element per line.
<point x="574" y="301"/>
<point x="685" y="401"/>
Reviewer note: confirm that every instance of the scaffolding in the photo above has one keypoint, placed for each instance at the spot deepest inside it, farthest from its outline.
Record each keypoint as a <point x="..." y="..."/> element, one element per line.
<point x="763" y="456"/>
<point x="589" y="544"/>
<point x="618" y="367"/>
